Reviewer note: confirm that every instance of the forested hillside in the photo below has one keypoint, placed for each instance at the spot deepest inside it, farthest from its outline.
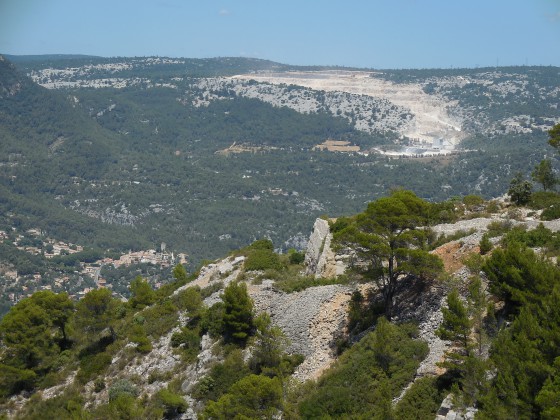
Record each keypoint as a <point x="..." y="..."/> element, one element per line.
<point x="119" y="153"/>
<point x="420" y="323"/>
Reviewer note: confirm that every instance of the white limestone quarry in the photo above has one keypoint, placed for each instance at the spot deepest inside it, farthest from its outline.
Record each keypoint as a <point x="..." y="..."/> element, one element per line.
<point x="431" y="117"/>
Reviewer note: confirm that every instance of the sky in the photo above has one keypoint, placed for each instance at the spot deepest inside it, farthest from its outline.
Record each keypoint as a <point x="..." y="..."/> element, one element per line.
<point x="378" y="34"/>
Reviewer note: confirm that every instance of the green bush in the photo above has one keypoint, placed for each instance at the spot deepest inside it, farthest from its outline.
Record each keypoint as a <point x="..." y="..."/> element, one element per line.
<point x="189" y="300"/>
<point x="341" y="223"/>
<point x="238" y="313"/>
<point x="520" y="190"/>
<point x="138" y="335"/>
<point x="443" y="239"/>
<point x="472" y="200"/>
<point x="485" y="244"/>
<point x="186" y="337"/>
<point x="497" y="228"/>
<point x="212" y="320"/>
<point x="142" y="294"/>
<point x="551" y="213"/>
<point x="362" y="314"/>
<point x="540" y="237"/>
<point x="296" y="257"/>
<point x="262" y="244"/>
<point x="189" y="340"/>
<point x="93" y="365"/>
<point x="253" y="397"/>
<point x="544" y="199"/>
<point x="421" y="401"/>
<point x="214" y="287"/>
<point x="99" y="385"/>
<point x="160" y="319"/>
<point x="122" y="387"/>
<point x="367" y="376"/>
<point x="262" y="259"/>
<point x="124" y="406"/>
<point x="221" y="377"/>
<point x="13" y="380"/>
<point x="69" y="405"/>
<point x="172" y="404"/>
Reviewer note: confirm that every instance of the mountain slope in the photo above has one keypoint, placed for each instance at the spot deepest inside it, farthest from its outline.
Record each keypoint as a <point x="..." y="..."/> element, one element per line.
<point x="182" y="155"/>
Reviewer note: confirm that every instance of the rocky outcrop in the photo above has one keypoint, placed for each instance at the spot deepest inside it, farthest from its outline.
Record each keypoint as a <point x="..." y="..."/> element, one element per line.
<point x="311" y="319"/>
<point x="447" y="411"/>
<point x="320" y="259"/>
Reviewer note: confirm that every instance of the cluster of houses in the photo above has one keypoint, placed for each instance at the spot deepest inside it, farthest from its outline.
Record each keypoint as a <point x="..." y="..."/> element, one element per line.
<point x="51" y="248"/>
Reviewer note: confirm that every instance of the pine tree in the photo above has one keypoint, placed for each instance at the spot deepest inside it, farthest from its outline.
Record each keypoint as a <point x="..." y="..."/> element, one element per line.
<point x="520" y="190"/>
<point x="456" y="325"/>
<point x="238" y="313"/>
<point x="544" y="175"/>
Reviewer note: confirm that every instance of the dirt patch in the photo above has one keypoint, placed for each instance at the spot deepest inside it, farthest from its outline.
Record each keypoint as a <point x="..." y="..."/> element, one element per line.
<point x="453" y="253"/>
<point x="337" y="146"/>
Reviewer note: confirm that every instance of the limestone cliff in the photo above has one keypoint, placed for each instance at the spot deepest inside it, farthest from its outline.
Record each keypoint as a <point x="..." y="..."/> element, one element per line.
<point x="320" y="259"/>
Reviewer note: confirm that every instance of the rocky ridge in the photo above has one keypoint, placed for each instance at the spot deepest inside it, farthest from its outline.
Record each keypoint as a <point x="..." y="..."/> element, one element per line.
<point x="312" y="319"/>
<point x="423" y="107"/>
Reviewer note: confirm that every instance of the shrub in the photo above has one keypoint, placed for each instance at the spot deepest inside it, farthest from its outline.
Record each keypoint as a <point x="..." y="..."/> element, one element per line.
<point x="98" y="385"/>
<point x="383" y="362"/>
<point x="122" y="387"/>
<point x="122" y="407"/>
<point x="485" y="244"/>
<point x="341" y="223"/>
<point x="544" y="199"/>
<point x="551" y="213"/>
<point x="212" y="320"/>
<point x="262" y="259"/>
<point x="138" y="335"/>
<point x="492" y="207"/>
<point x="262" y="244"/>
<point x="520" y="190"/>
<point x="142" y="294"/>
<point x="13" y="380"/>
<point x="497" y="228"/>
<point x="299" y="283"/>
<point x="238" y="313"/>
<point x="443" y="238"/>
<point x="69" y="405"/>
<point x="221" y="377"/>
<point x="421" y="401"/>
<point x="93" y="365"/>
<point x="189" y="300"/>
<point x="172" y="404"/>
<point x="472" y="200"/>
<point x="253" y="397"/>
<point x="296" y="257"/>
<point x="160" y="318"/>
<point x="211" y="289"/>
<point x="189" y="340"/>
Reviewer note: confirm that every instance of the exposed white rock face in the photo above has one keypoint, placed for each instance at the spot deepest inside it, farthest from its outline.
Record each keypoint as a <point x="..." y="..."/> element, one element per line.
<point x="429" y="114"/>
<point x="320" y="259"/>
<point x="311" y="319"/>
<point x="447" y="411"/>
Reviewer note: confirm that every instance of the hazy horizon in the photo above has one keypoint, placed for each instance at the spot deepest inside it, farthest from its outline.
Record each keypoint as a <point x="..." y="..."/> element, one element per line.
<point x="362" y="34"/>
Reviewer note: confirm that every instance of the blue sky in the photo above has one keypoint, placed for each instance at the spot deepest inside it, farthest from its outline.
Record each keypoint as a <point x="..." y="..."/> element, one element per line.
<point x="360" y="33"/>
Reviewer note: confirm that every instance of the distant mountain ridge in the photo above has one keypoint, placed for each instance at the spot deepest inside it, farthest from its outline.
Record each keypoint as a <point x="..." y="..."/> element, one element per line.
<point x="146" y="142"/>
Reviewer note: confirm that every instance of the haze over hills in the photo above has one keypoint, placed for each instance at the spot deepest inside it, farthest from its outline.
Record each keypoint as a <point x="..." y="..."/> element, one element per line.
<point x="156" y="153"/>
